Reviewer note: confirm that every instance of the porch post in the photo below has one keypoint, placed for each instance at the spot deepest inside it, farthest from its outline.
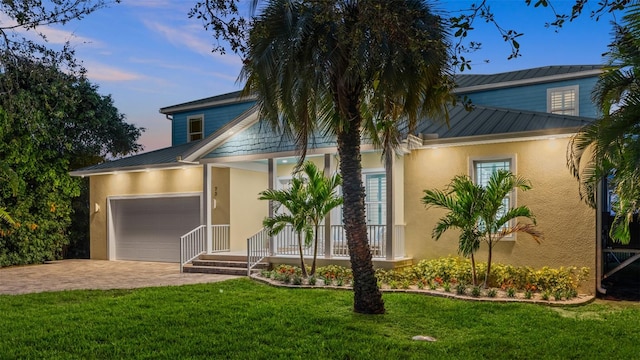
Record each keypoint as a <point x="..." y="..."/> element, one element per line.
<point x="206" y="199"/>
<point x="328" y="241"/>
<point x="388" y="165"/>
<point x="273" y="173"/>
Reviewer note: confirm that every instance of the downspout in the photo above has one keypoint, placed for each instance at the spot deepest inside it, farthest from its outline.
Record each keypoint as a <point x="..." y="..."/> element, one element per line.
<point x="600" y="193"/>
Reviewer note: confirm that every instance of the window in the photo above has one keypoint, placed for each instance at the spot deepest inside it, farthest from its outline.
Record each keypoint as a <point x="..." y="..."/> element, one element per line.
<point x="375" y="200"/>
<point x="563" y="100"/>
<point x="482" y="171"/>
<point x="196" y="128"/>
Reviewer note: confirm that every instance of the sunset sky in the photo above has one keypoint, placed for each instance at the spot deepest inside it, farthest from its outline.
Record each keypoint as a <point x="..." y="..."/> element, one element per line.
<point x="148" y="54"/>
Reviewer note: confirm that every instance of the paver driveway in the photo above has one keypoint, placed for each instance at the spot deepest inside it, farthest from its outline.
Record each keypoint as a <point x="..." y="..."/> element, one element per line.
<point x="96" y="274"/>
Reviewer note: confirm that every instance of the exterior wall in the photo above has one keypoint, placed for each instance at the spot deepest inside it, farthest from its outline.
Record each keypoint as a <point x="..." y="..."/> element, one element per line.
<point x="247" y="212"/>
<point x="221" y="193"/>
<point x="566" y="222"/>
<point x="534" y="97"/>
<point x="132" y="184"/>
<point x="214" y="119"/>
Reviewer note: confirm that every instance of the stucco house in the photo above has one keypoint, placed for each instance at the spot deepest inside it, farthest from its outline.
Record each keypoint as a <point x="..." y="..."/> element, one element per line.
<point x="201" y="193"/>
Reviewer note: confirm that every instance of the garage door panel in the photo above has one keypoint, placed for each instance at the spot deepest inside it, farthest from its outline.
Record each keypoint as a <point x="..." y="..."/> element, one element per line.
<point x="149" y="229"/>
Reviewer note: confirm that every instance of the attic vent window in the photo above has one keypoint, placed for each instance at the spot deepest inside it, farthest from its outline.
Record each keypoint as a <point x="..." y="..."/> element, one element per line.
<point x="196" y="128"/>
<point x="563" y="100"/>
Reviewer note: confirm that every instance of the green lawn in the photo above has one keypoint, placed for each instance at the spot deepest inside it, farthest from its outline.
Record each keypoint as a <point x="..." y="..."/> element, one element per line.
<point x="241" y="319"/>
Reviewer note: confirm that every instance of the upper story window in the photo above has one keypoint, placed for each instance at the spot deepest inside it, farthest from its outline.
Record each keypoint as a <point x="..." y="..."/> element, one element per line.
<point x="563" y="100"/>
<point x="195" y="129"/>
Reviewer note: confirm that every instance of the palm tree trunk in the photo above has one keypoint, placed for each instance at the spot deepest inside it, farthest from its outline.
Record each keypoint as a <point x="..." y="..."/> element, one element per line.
<point x="473" y="271"/>
<point x="315" y="251"/>
<point x="304" y="268"/>
<point x="367" y="296"/>
<point x="486" y="278"/>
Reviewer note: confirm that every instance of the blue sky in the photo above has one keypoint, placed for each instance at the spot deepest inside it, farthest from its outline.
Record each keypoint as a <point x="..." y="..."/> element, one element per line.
<point x="148" y="54"/>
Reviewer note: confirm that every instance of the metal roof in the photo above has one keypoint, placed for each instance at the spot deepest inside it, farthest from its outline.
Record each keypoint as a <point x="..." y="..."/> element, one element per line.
<point x="157" y="158"/>
<point x="539" y="74"/>
<point x="482" y="120"/>
<point x="224" y="99"/>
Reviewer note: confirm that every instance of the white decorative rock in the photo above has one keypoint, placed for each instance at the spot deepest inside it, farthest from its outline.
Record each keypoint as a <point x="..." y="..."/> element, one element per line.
<point x="423" y="338"/>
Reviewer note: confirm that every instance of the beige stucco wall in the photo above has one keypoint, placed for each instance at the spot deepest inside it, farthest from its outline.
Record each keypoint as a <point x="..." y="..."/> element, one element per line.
<point x="246" y="211"/>
<point x="153" y="182"/>
<point x="567" y="223"/>
<point x="220" y="192"/>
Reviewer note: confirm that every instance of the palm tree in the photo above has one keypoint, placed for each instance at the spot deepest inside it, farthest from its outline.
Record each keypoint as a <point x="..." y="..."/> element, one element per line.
<point x="480" y="213"/>
<point x="496" y="220"/>
<point x="295" y="201"/>
<point x="609" y="146"/>
<point x="323" y="197"/>
<point x="462" y="200"/>
<point x="347" y="68"/>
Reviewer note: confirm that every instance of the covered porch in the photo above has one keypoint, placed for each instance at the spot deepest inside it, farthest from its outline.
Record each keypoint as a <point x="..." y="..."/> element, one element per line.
<point x="226" y="224"/>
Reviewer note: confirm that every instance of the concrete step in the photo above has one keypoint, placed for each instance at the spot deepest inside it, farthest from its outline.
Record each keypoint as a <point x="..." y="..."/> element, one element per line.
<point x="225" y="263"/>
<point x="215" y="270"/>
<point x="224" y="257"/>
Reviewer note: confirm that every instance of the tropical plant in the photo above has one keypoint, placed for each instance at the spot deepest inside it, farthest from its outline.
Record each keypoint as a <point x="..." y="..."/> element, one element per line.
<point x="322" y="198"/>
<point x="462" y="199"/>
<point x="295" y="201"/>
<point x="609" y="146"/>
<point x="343" y="69"/>
<point x="480" y="213"/>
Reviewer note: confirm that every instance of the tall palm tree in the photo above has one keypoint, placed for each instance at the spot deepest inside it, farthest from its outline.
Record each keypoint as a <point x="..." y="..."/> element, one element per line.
<point x="480" y="213"/>
<point x="323" y="197"/>
<point x="295" y="201"/>
<point x="609" y="146"/>
<point x="462" y="200"/>
<point x="346" y="68"/>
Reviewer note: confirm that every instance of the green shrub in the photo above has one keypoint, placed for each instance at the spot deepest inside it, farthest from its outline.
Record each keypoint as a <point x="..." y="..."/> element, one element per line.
<point x="492" y="293"/>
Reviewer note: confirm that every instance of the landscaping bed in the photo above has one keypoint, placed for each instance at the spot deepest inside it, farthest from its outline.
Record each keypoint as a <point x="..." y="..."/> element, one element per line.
<point x="451" y="277"/>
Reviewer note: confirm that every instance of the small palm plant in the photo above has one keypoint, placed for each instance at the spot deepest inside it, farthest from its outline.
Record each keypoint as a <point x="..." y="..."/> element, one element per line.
<point x="480" y="213"/>
<point x="323" y="197"/>
<point x="309" y="200"/>
<point x="461" y="198"/>
<point x="498" y="221"/>
<point x="296" y="201"/>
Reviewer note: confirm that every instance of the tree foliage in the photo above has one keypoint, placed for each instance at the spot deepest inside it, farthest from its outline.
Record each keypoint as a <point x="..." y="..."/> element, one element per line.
<point x="609" y="146"/>
<point x="51" y="121"/>
<point x="230" y="22"/>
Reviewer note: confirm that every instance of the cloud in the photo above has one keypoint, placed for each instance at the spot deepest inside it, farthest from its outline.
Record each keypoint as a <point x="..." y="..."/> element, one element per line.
<point x="186" y="37"/>
<point x="101" y="72"/>
<point x="53" y="35"/>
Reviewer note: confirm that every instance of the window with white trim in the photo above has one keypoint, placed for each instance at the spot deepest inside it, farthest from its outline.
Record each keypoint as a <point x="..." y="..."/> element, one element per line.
<point x="375" y="186"/>
<point x="375" y="201"/>
<point x="563" y="100"/>
<point x="482" y="171"/>
<point x="195" y="129"/>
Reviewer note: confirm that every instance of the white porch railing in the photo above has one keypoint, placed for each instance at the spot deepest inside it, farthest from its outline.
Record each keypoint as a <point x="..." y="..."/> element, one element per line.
<point x="257" y="248"/>
<point x="286" y="242"/>
<point x="377" y="240"/>
<point x="220" y="240"/>
<point x="192" y="245"/>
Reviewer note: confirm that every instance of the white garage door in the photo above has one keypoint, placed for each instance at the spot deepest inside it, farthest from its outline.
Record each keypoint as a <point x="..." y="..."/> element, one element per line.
<point x="149" y="229"/>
